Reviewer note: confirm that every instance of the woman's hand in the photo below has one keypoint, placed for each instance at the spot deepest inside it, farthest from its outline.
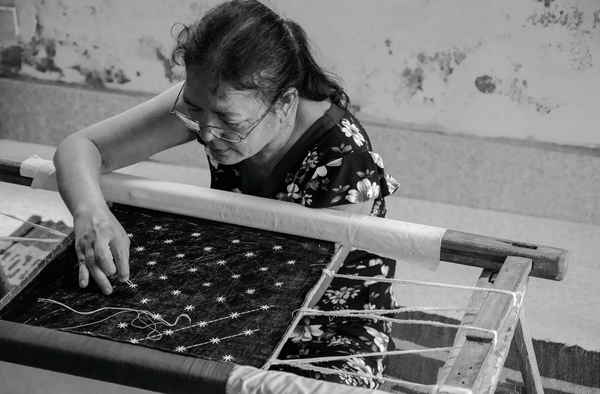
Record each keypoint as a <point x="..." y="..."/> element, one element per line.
<point x="102" y="247"/>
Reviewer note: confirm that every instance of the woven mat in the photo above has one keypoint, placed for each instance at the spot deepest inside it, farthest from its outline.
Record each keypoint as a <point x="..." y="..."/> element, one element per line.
<point x="17" y="259"/>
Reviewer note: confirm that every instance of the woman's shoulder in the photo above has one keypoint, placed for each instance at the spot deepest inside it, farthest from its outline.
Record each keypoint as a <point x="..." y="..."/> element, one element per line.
<point x="347" y="135"/>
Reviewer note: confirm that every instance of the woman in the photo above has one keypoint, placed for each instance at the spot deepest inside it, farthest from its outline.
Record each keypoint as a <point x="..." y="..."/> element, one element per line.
<point x="274" y="125"/>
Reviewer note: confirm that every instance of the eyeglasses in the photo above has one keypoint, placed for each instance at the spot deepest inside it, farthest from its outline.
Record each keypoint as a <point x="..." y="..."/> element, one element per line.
<point x="218" y="132"/>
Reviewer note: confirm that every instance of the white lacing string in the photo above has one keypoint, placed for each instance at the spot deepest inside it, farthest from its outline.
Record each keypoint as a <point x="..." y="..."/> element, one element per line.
<point x="331" y="371"/>
<point x="366" y="315"/>
<point x="515" y="295"/>
<point x="47" y="229"/>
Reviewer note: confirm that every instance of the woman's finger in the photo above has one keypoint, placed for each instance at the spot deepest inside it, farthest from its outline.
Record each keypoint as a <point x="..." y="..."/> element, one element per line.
<point x="97" y="272"/>
<point x="84" y="273"/>
<point x="120" y="251"/>
<point x="104" y="258"/>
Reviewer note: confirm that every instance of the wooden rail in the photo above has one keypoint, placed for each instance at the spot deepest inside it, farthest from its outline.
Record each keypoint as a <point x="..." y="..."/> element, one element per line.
<point x="456" y="247"/>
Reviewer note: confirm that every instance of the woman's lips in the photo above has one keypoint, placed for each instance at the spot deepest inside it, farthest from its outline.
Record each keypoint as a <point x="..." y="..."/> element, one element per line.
<point x="215" y="150"/>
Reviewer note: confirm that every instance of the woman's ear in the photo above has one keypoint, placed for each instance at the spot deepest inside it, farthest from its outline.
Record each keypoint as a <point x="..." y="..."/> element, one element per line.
<point x="289" y="101"/>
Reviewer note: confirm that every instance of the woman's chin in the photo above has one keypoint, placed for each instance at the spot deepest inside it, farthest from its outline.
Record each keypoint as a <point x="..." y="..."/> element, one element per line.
<point x="224" y="156"/>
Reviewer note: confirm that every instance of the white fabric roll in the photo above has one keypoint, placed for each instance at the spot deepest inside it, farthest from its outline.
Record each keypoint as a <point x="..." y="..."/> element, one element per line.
<point x="412" y="243"/>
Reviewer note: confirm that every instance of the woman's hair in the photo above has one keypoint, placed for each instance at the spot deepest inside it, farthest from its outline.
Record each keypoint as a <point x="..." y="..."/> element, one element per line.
<point x="248" y="46"/>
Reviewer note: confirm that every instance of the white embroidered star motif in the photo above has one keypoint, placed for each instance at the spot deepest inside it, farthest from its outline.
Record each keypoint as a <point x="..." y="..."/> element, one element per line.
<point x="234" y="315"/>
<point x="163" y="277"/>
<point x="152" y="262"/>
<point x="248" y="332"/>
<point x="189" y="308"/>
<point x="235" y="241"/>
<point x="156" y="316"/>
<point x="214" y="341"/>
<point x="263" y="269"/>
<point x="265" y="307"/>
<point x="123" y="325"/>
<point x="193" y="269"/>
<point x="235" y="276"/>
<point x="250" y="291"/>
<point x="220" y="299"/>
<point x="180" y="255"/>
<point x="140" y="249"/>
<point x="208" y="248"/>
<point x="176" y="292"/>
<point x="168" y="241"/>
<point x="130" y="235"/>
<point x="158" y="227"/>
<point x="277" y="247"/>
<point x="180" y="349"/>
<point x="291" y="262"/>
<point x="228" y="357"/>
<point x="221" y="262"/>
<point x="202" y="324"/>
<point x="206" y="284"/>
<point x="131" y="284"/>
<point x="249" y="254"/>
<point x="278" y="284"/>
<point x="133" y="340"/>
<point x="144" y="300"/>
<point x="196" y="235"/>
<point x="168" y="332"/>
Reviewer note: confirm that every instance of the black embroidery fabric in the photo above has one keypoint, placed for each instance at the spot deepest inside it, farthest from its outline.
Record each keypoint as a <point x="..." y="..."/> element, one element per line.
<point x="231" y="290"/>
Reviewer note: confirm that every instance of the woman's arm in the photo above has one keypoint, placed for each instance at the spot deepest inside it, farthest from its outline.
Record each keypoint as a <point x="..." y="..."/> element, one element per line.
<point x="127" y="138"/>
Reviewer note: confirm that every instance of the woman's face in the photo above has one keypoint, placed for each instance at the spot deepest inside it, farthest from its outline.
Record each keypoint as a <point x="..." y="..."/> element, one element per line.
<point x="232" y="110"/>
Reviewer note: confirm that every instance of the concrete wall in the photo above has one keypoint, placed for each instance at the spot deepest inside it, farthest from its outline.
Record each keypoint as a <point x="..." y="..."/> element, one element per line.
<point x="516" y="69"/>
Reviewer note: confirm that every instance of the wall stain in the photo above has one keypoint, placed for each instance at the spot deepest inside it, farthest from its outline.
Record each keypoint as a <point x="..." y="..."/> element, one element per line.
<point x="10" y="61"/>
<point x="167" y="64"/>
<point x="571" y="20"/>
<point x="40" y="51"/>
<point x="92" y="77"/>
<point x="576" y="31"/>
<point x="486" y="84"/>
<point x="546" y="2"/>
<point x="438" y="65"/>
<point x="388" y="43"/>
<point x="516" y="90"/>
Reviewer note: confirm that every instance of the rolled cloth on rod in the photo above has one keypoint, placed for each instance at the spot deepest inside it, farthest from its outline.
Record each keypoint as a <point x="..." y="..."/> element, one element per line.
<point x="407" y="242"/>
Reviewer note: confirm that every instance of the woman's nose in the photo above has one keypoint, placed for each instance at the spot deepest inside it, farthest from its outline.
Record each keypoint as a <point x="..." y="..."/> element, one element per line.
<point x="205" y="134"/>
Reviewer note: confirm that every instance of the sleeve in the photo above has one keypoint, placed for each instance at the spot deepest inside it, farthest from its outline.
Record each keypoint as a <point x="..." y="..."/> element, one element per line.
<point x="347" y="178"/>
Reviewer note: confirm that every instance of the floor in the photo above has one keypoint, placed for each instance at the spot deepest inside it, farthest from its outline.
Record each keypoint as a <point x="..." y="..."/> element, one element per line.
<point x="565" y="312"/>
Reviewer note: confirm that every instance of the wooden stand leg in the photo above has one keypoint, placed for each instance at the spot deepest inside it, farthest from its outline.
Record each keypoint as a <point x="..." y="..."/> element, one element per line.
<point x="529" y="367"/>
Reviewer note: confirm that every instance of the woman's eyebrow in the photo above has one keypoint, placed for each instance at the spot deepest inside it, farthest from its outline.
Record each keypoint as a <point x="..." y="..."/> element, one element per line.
<point x="221" y="113"/>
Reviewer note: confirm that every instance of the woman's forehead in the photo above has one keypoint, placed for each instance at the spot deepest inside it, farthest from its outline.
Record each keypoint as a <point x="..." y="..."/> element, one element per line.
<point x="198" y="92"/>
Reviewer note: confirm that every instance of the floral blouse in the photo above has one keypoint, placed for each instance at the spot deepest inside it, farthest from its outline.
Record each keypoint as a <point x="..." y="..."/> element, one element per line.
<point x="333" y="164"/>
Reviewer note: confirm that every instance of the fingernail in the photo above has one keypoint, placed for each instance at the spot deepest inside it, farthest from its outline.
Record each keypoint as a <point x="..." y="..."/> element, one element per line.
<point x="107" y="290"/>
<point x="82" y="283"/>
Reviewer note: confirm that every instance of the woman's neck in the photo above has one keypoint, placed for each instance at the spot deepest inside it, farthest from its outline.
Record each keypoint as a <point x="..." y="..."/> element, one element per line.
<point x="307" y="113"/>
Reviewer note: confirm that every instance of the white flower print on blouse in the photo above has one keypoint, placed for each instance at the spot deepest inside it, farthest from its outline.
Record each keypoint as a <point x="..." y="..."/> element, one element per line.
<point x="340" y="297"/>
<point x="350" y="130"/>
<point x="377" y="159"/>
<point x="380" y="340"/>
<point x="305" y="332"/>
<point x="365" y="191"/>
<point x="392" y="184"/>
